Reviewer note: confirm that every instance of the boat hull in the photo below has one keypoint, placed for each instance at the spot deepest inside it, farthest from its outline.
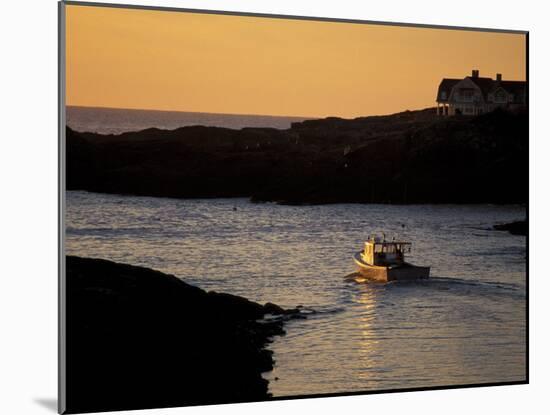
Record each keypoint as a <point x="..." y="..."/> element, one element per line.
<point x="405" y="272"/>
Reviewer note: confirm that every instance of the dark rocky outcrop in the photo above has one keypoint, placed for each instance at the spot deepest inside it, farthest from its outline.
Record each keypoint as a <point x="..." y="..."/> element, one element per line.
<point x="410" y="157"/>
<point x="138" y="338"/>
<point x="515" y="228"/>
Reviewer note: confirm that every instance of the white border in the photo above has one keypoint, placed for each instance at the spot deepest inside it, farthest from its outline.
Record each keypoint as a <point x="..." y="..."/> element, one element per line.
<point x="28" y="163"/>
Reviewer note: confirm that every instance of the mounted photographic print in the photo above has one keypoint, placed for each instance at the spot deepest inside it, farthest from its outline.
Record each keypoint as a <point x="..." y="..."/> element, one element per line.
<point x="259" y="207"/>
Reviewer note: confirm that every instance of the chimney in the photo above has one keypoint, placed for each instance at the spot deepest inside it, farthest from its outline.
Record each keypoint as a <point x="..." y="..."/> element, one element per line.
<point x="499" y="77"/>
<point x="475" y="73"/>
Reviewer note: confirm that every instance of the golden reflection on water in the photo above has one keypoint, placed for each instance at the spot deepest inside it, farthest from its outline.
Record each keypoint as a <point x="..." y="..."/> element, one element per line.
<point x="368" y="346"/>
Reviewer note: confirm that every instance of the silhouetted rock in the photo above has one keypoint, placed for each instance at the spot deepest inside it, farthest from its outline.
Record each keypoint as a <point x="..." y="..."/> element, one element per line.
<point x="273" y="309"/>
<point x="515" y="228"/>
<point x="410" y="157"/>
<point x="138" y="338"/>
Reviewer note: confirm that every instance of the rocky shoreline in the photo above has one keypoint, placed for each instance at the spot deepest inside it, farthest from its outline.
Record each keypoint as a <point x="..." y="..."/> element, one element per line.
<point x="515" y="228"/>
<point x="139" y="338"/>
<point x="409" y="157"/>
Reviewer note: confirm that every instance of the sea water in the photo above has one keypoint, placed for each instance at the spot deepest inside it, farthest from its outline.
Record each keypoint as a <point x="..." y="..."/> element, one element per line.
<point x="119" y="120"/>
<point x="465" y="325"/>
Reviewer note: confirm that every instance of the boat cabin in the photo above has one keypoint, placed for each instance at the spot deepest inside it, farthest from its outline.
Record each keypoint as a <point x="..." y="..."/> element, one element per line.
<point x="384" y="253"/>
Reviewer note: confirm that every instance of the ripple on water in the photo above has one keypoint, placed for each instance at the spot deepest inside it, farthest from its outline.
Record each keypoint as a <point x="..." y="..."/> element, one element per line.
<point x="464" y="325"/>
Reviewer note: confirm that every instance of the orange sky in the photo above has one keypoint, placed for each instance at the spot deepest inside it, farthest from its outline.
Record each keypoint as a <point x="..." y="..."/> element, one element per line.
<point x="128" y="58"/>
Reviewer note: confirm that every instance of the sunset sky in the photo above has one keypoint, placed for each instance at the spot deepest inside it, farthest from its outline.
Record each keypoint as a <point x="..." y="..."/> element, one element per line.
<point x="128" y="58"/>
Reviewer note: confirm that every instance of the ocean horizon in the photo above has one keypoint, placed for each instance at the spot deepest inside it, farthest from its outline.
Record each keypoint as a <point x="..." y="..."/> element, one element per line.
<point x="105" y="120"/>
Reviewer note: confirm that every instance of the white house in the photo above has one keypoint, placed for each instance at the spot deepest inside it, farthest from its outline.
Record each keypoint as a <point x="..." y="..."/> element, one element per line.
<point x="475" y="95"/>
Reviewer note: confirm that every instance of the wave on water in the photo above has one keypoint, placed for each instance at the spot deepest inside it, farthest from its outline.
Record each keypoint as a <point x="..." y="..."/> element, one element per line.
<point x="456" y="285"/>
<point x="459" y="286"/>
<point x="103" y="231"/>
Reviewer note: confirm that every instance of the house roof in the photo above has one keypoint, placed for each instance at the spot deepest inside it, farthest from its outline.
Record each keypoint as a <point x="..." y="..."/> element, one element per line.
<point x="445" y="86"/>
<point x="486" y="85"/>
<point x="517" y="88"/>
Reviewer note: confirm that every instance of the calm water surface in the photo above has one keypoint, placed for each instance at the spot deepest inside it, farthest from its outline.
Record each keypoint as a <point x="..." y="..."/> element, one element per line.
<point x="464" y="325"/>
<point x="120" y="120"/>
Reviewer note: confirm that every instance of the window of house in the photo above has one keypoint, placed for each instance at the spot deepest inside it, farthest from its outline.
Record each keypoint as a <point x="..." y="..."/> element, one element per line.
<point x="467" y="94"/>
<point x="501" y="96"/>
<point x="443" y="94"/>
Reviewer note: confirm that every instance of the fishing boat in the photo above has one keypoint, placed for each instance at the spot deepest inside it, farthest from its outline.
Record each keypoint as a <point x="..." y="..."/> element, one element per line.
<point x="385" y="261"/>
